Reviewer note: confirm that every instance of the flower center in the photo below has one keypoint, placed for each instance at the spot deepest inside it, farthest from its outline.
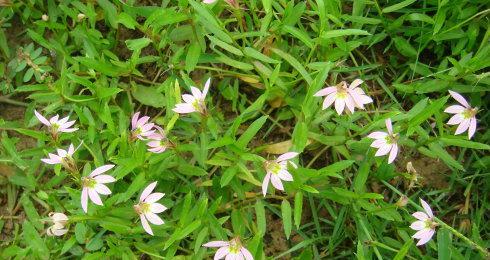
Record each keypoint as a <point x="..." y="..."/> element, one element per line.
<point x="88" y="182"/>
<point x="55" y="127"/>
<point x="469" y="113"/>
<point x="235" y="245"/>
<point x="272" y="166"/>
<point x="341" y="90"/>
<point x="392" y="139"/>
<point x="142" y="208"/>
<point x="430" y="224"/>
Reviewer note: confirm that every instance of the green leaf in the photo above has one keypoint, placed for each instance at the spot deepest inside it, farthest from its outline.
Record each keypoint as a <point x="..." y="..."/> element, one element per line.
<point x="250" y="133"/>
<point x="110" y="12"/>
<point x="343" y="32"/>
<point x="295" y="63"/>
<point x="298" y="208"/>
<point x="443" y="244"/>
<point x="455" y="141"/>
<point x="398" y="6"/>
<point x="286" y="217"/>
<point x="253" y="53"/>
<point x="445" y="156"/>
<point x="32" y="237"/>
<point x="404" y="250"/>
<point x="226" y="46"/>
<point x="404" y="47"/>
<point x="260" y="216"/>
<point x="361" y="176"/>
<point x="137" y="44"/>
<point x="80" y="232"/>
<point x="228" y="175"/>
<point x="149" y="96"/>
<point x="192" y="57"/>
<point x="427" y="112"/>
<point x="301" y="35"/>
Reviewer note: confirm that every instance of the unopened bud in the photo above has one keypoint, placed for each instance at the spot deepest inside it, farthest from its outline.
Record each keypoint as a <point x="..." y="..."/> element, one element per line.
<point x="45" y="18"/>
<point x="81" y="16"/>
<point x="410" y="168"/>
<point x="402" y="202"/>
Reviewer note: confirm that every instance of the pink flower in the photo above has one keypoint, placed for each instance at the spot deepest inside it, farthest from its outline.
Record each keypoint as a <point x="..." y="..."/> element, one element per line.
<point x="343" y="96"/>
<point x="385" y="142"/>
<point x="59" y="222"/>
<point x="425" y="225"/>
<point x="230" y="250"/>
<point x="194" y="102"/>
<point x="465" y="115"/>
<point x="93" y="185"/>
<point x="56" y="126"/>
<point x="148" y="208"/>
<point x="158" y="141"/>
<point x="277" y="171"/>
<point x="140" y="128"/>
<point x="63" y="157"/>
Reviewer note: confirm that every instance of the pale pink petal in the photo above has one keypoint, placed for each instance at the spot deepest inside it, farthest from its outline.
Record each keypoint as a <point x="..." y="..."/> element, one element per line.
<point x="383" y="150"/>
<point x="276" y="182"/>
<point x="246" y="253"/>
<point x="379" y="143"/>
<point x="426" y="237"/>
<point x="42" y="118"/>
<point x="67" y="124"/>
<point x="147" y="127"/>
<point x="70" y="130"/>
<point x="154" y="197"/>
<point x="196" y="93"/>
<point x="355" y="83"/>
<point x="420" y="215"/>
<point x="421" y="233"/>
<point x="206" y="88"/>
<point x="102" y="189"/>
<point x="239" y="256"/>
<point x="454" y="109"/>
<point x="293" y="164"/>
<point x="145" y="225"/>
<point x="58" y="217"/>
<point x="285" y="175"/>
<point x="157" y="208"/>
<point x="154" y="218"/>
<point x="378" y="135"/>
<point x="364" y="99"/>
<point x="218" y="243"/>
<point x="184" y="108"/>
<point x="427" y="208"/>
<point x="134" y="120"/>
<point x="71" y="150"/>
<point x="456" y="119"/>
<point x="84" y="199"/>
<point x="153" y="143"/>
<point x="104" y="178"/>
<point x="148" y="190"/>
<point x="418" y="225"/>
<point x="101" y="169"/>
<point x="349" y="102"/>
<point x="54" y="159"/>
<point x="389" y="126"/>
<point x="329" y="100"/>
<point x="94" y="196"/>
<point x="188" y="98"/>
<point x="62" y="153"/>
<point x="462" y="127"/>
<point x="231" y="256"/>
<point x="459" y="98"/>
<point x="142" y="121"/>
<point x="265" y="183"/>
<point x="221" y="252"/>
<point x="325" y="91"/>
<point x="339" y="105"/>
<point x="286" y="156"/>
<point x="54" y="119"/>
<point x="208" y="1"/>
<point x="393" y="153"/>
<point x="472" y="128"/>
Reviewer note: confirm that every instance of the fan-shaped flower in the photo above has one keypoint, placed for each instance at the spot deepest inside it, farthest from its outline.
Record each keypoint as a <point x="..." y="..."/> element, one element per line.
<point x="64" y="157"/>
<point x="425" y="225"/>
<point x="158" y="141"/>
<point x="56" y="126"/>
<point x="140" y="128"/>
<point x="59" y="222"/>
<point x="93" y="185"/>
<point x="464" y="115"/>
<point x="343" y="96"/>
<point x="277" y="171"/>
<point x="232" y="249"/>
<point x="194" y="102"/>
<point x="386" y="142"/>
<point x="148" y="207"/>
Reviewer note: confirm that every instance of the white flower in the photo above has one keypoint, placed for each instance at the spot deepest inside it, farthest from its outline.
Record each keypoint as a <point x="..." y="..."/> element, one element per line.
<point x="385" y="142"/>
<point x="425" y="225"/>
<point x="465" y="115"/>
<point x="194" y="102"/>
<point x="208" y="1"/>
<point x="140" y="128"/>
<point x="59" y="222"/>
<point x="158" y="141"/>
<point x="277" y="171"/>
<point x="93" y="185"/>
<point x="63" y="157"/>
<point x="343" y="96"/>
<point x="148" y="207"/>
<point x="56" y="126"/>
<point x="230" y="250"/>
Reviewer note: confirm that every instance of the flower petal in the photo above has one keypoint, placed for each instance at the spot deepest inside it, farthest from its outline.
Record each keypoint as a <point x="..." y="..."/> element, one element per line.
<point x="379" y="143"/>
<point x="184" y="108"/>
<point x="339" y="105"/>
<point x="456" y="119"/>
<point x="472" y="128"/>
<point x="459" y="98"/>
<point x="418" y="225"/>
<point x="265" y="183"/>
<point x="94" y="197"/>
<point x="420" y="215"/>
<point x="350" y="104"/>
<point x="101" y="169"/>
<point x="157" y="208"/>
<point x="154" y="218"/>
<point x="148" y="190"/>
<point x="378" y="135"/>
<point x="246" y="253"/>
<point x="41" y="118"/>
<point x="145" y="225"/>
<point x="393" y="153"/>
<point x="285" y="175"/>
<point x="463" y="126"/>
<point x="355" y="83"/>
<point x="154" y="197"/>
<point x="134" y="120"/>
<point x="221" y="253"/>
<point x="454" y="109"/>
<point x="426" y="237"/>
<point x="102" y="189"/>
<point x="206" y="88"/>
<point x="104" y="178"/>
<point x="286" y="156"/>
<point x="389" y="126"/>
<point x="276" y="182"/>
<point x="218" y="243"/>
<point x="196" y="93"/>
<point x="383" y="150"/>
<point x="427" y="208"/>
<point x="84" y="199"/>
<point x="325" y="91"/>
<point x="189" y="99"/>
<point x="328" y="100"/>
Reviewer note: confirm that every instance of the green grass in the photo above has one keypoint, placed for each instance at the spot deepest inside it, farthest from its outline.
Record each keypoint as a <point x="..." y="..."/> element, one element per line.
<point x="266" y="60"/>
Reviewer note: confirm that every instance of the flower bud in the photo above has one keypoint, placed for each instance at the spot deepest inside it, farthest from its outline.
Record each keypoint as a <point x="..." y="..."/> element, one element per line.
<point x="402" y="202"/>
<point x="81" y="16"/>
<point x="44" y="17"/>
